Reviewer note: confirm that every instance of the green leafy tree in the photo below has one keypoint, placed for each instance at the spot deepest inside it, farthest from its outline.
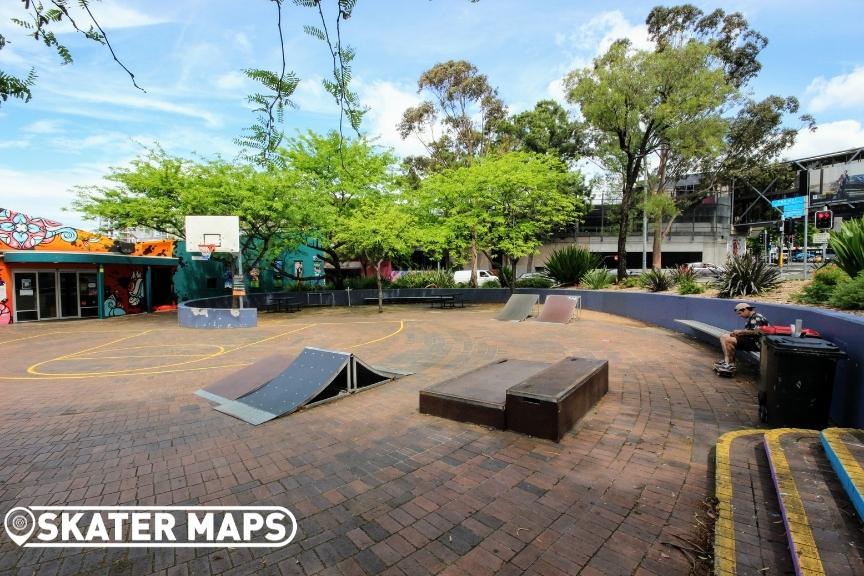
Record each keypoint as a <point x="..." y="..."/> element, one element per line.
<point x="462" y="108"/>
<point x="503" y="203"/>
<point x="547" y="129"/>
<point x="380" y="229"/>
<point x="159" y="190"/>
<point x="336" y="177"/>
<point x="756" y="134"/>
<point x="635" y="102"/>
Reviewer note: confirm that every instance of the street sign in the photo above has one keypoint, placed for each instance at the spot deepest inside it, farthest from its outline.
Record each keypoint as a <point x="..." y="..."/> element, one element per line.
<point x="792" y="207"/>
<point x="821" y="238"/>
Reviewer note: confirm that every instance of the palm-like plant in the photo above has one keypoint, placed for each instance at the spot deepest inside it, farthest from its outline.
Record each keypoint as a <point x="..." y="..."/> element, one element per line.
<point x="745" y="274"/>
<point x="569" y="264"/>
<point x="656" y="280"/>
<point x="848" y="245"/>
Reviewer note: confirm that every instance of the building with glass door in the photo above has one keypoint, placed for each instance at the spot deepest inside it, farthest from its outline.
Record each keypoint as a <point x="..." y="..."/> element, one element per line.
<point x="49" y="271"/>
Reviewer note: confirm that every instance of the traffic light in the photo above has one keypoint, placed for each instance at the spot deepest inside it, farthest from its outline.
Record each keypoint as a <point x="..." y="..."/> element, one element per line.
<point x="787" y="227"/>
<point x="824" y="220"/>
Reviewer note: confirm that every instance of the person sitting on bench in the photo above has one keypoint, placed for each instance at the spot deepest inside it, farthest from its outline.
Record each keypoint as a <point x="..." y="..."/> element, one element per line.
<point x="745" y="339"/>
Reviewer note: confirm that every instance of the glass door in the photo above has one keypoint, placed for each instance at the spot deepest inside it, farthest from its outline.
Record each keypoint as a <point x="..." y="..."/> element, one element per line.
<point x="89" y="294"/>
<point x="69" y="295"/>
<point x="47" y="295"/>
<point x="25" y="296"/>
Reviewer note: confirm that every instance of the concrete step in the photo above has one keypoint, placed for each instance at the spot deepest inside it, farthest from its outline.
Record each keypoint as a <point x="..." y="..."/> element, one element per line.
<point x="845" y="450"/>
<point x="749" y="536"/>
<point x="823" y="530"/>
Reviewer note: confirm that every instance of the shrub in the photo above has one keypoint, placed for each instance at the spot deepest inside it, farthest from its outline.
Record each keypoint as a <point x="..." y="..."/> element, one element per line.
<point x="825" y="281"/>
<point x="849" y="295"/>
<point x="535" y="282"/>
<point x="506" y="275"/>
<point x="848" y="245"/>
<point x="690" y="287"/>
<point x="365" y="282"/>
<point x="656" y="280"/>
<point x="683" y="273"/>
<point x="746" y="274"/>
<point x="630" y="282"/>
<point x="492" y="284"/>
<point x="597" y="278"/>
<point x="425" y="279"/>
<point x="569" y="264"/>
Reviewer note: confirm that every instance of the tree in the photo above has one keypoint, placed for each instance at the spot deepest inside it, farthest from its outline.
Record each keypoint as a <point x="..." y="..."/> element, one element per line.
<point x="380" y="229"/>
<point x="503" y="203"/>
<point x="336" y="177"/>
<point x="755" y="136"/>
<point x="635" y="102"/>
<point x="464" y="106"/>
<point x="159" y="190"/>
<point x="547" y="129"/>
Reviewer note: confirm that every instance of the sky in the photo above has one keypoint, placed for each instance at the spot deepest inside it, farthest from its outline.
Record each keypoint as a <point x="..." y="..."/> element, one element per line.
<point x="87" y="117"/>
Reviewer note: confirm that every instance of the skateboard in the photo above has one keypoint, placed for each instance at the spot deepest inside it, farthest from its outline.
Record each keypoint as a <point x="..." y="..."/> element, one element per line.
<point x="724" y="372"/>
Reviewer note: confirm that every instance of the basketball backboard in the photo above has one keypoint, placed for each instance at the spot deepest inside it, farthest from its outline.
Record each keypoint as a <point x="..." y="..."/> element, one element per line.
<point x="222" y="232"/>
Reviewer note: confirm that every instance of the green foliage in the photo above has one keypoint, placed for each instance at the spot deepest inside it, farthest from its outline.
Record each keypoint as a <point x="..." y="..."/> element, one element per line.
<point x="630" y="282"/>
<point x="746" y="274"/>
<point x="506" y="275"/>
<point x="535" y="282"/>
<point x="425" y="279"/>
<point x="364" y="282"/>
<point x="690" y="287"/>
<point x="849" y="295"/>
<point x="547" y="129"/>
<point x="656" y="280"/>
<point x="596" y="279"/>
<point x="569" y="264"/>
<point x="684" y="274"/>
<point x="492" y="284"/>
<point x="848" y="244"/>
<point x="823" y="285"/>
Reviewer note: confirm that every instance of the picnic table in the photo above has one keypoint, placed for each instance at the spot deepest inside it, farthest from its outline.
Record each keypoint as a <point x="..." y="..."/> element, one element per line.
<point x="440" y="300"/>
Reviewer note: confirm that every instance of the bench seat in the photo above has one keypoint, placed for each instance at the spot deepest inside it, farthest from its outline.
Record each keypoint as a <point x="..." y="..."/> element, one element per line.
<point x="716" y="332"/>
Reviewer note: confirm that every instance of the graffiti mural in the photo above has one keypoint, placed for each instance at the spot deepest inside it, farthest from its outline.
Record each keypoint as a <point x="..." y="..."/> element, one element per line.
<point x="22" y="232"/>
<point x="5" y="312"/>
<point x="124" y="290"/>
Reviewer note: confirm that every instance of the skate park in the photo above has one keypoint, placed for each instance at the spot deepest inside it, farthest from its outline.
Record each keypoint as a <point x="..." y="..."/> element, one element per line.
<point x="101" y="413"/>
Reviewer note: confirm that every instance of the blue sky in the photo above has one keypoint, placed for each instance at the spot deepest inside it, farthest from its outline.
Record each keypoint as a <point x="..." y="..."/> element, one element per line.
<point x="188" y="55"/>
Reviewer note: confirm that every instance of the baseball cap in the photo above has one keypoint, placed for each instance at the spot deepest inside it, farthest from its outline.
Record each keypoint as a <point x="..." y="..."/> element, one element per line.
<point x="742" y="306"/>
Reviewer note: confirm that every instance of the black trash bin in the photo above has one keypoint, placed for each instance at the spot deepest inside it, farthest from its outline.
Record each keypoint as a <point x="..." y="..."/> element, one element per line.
<point x="797" y="381"/>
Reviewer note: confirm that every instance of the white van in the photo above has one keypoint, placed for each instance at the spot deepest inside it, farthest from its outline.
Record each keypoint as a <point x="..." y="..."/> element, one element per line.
<point x="483" y="276"/>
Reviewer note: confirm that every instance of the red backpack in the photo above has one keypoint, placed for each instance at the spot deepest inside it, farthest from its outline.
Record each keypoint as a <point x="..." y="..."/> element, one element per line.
<point x="786" y="331"/>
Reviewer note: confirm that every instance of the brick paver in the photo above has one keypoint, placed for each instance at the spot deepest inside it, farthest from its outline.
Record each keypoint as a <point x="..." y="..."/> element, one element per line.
<point x="377" y="487"/>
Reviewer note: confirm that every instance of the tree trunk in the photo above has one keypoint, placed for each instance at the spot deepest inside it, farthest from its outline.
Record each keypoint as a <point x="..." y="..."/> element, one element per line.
<point x="656" y="246"/>
<point x="623" y="224"/>
<point x="473" y="281"/>
<point x="529" y="266"/>
<point x="511" y="283"/>
<point x="380" y="286"/>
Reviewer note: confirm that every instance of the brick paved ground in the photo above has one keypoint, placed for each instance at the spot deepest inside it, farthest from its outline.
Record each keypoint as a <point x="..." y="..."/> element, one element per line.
<point x="376" y="487"/>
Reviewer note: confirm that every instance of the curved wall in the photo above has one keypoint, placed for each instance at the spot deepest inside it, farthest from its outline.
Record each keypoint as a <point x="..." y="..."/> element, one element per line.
<point x="215" y="313"/>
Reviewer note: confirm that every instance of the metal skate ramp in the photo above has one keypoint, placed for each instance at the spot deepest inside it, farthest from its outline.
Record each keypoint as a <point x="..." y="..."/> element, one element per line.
<point x="518" y="307"/>
<point x="246" y="380"/>
<point x="559" y="309"/>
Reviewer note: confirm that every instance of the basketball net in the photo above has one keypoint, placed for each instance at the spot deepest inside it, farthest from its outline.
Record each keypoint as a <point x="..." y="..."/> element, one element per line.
<point x="206" y="250"/>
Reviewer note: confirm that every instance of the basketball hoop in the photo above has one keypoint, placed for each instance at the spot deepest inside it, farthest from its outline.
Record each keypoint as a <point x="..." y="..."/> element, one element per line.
<point x="206" y="250"/>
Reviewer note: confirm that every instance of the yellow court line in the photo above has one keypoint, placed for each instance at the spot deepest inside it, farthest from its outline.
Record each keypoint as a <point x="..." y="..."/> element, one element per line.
<point x="725" y="563"/>
<point x="131" y="371"/>
<point x="32" y="369"/>
<point x="401" y="326"/>
<point x="29" y="337"/>
<point x="804" y="550"/>
<point x="136" y="357"/>
<point x="106" y="374"/>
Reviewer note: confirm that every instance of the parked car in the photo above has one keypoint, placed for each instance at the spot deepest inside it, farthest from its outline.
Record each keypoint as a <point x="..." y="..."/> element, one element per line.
<point x="705" y="269"/>
<point x="483" y="276"/>
<point x="527" y="275"/>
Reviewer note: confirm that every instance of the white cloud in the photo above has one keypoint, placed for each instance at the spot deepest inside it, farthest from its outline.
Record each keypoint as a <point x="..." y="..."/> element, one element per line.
<point x="232" y="81"/>
<point x="844" y="91"/>
<point x="46" y="193"/>
<point x="828" y="137"/>
<point x="114" y="141"/>
<point x="386" y="102"/>
<point x="143" y="103"/>
<point x="310" y="96"/>
<point x="43" y="127"/>
<point x="15" y="144"/>
<point x="593" y="39"/>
